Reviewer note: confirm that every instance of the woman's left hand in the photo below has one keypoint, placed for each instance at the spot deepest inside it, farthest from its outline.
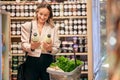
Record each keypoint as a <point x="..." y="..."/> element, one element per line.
<point x="47" y="46"/>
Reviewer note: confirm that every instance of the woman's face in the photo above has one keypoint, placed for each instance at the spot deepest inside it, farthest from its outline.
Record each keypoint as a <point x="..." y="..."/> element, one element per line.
<point x="43" y="15"/>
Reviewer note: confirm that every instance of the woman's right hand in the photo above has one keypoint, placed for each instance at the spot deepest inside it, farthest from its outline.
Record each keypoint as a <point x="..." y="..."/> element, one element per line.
<point x="35" y="45"/>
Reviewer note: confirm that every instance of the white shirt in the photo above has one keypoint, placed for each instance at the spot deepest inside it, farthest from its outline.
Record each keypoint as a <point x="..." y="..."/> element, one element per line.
<point x="25" y="35"/>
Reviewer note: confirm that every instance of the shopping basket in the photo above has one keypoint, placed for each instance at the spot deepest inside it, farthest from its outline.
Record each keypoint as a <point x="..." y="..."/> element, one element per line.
<point x="60" y="75"/>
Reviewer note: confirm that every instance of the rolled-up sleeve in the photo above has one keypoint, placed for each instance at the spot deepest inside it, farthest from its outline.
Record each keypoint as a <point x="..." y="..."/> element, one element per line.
<point x="56" y="41"/>
<point x="25" y="35"/>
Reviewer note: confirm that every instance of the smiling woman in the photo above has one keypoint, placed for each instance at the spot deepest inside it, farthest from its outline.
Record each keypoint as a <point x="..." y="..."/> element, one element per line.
<point x="45" y="11"/>
<point x="43" y="15"/>
<point x="40" y="52"/>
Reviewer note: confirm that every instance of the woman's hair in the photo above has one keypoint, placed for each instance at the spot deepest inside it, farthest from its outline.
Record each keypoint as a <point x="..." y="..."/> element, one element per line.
<point x="117" y="46"/>
<point x="48" y="6"/>
<point x="116" y="25"/>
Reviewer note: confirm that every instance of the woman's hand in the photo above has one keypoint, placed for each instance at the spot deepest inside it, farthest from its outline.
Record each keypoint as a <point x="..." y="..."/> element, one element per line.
<point x="47" y="46"/>
<point x="35" y="45"/>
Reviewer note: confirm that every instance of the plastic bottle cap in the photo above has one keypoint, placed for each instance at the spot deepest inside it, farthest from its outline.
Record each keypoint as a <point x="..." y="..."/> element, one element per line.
<point x="35" y="34"/>
<point x="48" y="35"/>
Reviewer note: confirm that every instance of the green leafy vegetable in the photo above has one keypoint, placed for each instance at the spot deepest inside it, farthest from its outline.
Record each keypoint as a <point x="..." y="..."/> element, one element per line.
<point x="66" y="64"/>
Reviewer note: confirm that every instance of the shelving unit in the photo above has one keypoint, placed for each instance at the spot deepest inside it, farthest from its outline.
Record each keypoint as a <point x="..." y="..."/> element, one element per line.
<point x="74" y="26"/>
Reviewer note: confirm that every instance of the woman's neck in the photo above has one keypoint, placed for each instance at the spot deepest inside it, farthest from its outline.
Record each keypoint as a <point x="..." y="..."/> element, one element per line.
<point x="40" y="25"/>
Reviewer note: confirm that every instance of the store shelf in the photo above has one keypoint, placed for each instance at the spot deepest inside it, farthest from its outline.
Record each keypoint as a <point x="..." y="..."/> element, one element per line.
<point x="20" y="54"/>
<point x="14" y="73"/>
<point x="22" y="18"/>
<point x="70" y="17"/>
<point x="84" y="72"/>
<point x="15" y="36"/>
<point x="72" y="54"/>
<point x="72" y="35"/>
<point x="82" y="21"/>
<point x="61" y="17"/>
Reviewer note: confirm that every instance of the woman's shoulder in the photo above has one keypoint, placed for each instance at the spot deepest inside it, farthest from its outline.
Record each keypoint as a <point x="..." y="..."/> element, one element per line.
<point x="51" y="26"/>
<point x="26" y="24"/>
<point x="56" y="27"/>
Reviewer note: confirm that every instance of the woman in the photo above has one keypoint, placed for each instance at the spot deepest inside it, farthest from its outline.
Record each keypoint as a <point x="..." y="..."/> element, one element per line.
<point x="38" y="59"/>
<point x="114" y="58"/>
<point x="114" y="30"/>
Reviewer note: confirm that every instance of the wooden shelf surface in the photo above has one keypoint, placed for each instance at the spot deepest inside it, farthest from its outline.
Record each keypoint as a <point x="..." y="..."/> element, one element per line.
<point x="60" y="17"/>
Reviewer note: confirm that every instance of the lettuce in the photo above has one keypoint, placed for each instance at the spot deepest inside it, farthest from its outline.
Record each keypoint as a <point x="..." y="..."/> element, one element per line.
<point x="66" y="64"/>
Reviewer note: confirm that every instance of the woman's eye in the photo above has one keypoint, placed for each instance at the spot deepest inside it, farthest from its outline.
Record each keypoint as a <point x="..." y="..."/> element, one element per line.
<point x="45" y="15"/>
<point x="40" y="13"/>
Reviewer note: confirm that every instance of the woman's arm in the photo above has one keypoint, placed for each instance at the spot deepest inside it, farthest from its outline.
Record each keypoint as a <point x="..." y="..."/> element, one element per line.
<point x="25" y="35"/>
<point x="56" y="42"/>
